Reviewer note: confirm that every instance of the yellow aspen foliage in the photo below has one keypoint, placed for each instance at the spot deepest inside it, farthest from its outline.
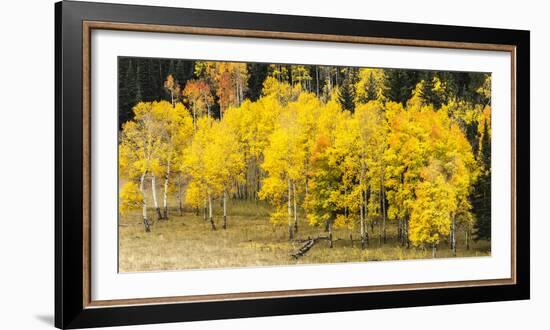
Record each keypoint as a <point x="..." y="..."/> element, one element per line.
<point x="282" y="91"/>
<point x="196" y="161"/>
<point x="283" y="160"/>
<point x="430" y="172"/>
<point x="130" y="197"/>
<point x="431" y="211"/>
<point x="327" y="190"/>
<point x="152" y="143"/>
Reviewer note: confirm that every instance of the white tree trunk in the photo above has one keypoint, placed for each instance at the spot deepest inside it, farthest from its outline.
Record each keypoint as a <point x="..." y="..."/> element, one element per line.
<point x="210" y="212"/>
<point x="180" y="197"/>
<point x="142" y="190"/>
<point x="453" y="235"/>
<point x="224" y="209"/>
<point x="295" y="208"/>
<point x="317" y="78"/>
<point x="362" y="219"/>
<point x="369" y="189"/>
<point x="154" y="190"/>
<point x="383" y="207"/>
<point x="204" y="209"/>
<point x="165" y="197"/>
<point x="289" y="211"/>
<point x="144" y="202"/>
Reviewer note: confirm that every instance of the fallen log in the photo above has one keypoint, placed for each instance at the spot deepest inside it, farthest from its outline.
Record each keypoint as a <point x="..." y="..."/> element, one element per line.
<point x="307" y="246"/>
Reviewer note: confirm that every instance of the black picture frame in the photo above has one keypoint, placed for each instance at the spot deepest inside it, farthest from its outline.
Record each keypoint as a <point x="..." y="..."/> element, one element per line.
<point x="70" y="310"/>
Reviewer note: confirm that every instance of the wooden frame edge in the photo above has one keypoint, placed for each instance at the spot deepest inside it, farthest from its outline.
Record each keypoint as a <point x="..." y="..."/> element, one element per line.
<point x="294" y="293"/>
<point x="89" y="25"/>
<point x="139" y="27"/>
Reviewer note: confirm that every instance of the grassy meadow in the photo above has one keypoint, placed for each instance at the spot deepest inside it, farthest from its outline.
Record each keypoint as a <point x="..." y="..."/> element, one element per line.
<point x="188" y="242"/>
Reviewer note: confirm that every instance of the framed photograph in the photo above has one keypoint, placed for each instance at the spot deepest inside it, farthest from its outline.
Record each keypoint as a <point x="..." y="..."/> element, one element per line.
<point x="215" y="164"/>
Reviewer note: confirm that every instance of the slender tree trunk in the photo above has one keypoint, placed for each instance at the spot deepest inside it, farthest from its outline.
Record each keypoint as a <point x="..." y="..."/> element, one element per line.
<point x="306" y="190"/>
<point x="453" y="235"/>
<point x="362" y="215"/>
<point x="403" y="232"/>
<point x="384" y="215"/>
<point x="330" y="233"/>
<point x="346" y="206"/>
<point x="380" y="222"/>
<point x="204" y="209"/>
<point x="317" y="78"/>
<point x="362" y="222"/>
<point x="406" y="233"/>
<point x="399" y="232"/>
<point x="165" y="202"/>
<point x="367" y="209"/>
<point x="295" y="208"/>
<point x="290" y="233"/>
<point x="210" y="212"/>
<point x="433" y="250"/>
<point x="194" y="118"/>
<point x="146" y="223"/>
<point x="367" y="239"/>
<point x="307" y="186"/>
<point x="180" y="199"/>
<point x="224" y="209"/>
<point x="383" y="209"/>
<point x="467" y="239"/>
<point x="351" y="238"/>
<point x="155" y="202"/>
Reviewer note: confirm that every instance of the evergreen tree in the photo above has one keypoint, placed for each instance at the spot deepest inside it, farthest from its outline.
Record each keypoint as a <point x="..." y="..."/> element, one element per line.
<point x="144" y="87"/>
<point x="138" y="82"/>
<point x="180" y="72"/>
<point x="400" y="84"/>
<point x="346" y="96"/>
<point x="184" y="71"/>
<point x="372" y="93"/>
<point x="152" y="69"/>
<point x="122" y="90"/>
<point x="258" y="72"/>
<point x="171" y="68"/>
<point x="127" y="91"/>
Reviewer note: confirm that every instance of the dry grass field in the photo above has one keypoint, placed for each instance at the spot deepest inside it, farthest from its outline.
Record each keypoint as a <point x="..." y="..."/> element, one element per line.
<point x="188" y="242"/>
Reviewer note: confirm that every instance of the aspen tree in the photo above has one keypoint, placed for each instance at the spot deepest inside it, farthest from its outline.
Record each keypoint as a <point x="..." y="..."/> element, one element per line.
<point x="139" y="154"/>
<point x="197" y="93"/>
<point x="175" y="132"/>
